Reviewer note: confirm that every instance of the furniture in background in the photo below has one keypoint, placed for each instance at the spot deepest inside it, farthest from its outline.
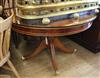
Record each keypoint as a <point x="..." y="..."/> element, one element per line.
<point x="5" y="30"/>
<point x="91" y="37"/>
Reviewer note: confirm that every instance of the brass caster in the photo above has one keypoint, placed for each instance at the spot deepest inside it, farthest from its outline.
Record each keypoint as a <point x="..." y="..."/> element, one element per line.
<point x="75" y="50"/>
<point x="57" y="73"/>
<point x="23" y="58"/>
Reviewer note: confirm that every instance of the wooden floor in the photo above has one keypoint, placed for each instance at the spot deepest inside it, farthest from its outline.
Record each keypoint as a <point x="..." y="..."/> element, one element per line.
<point x="82" y="64"/>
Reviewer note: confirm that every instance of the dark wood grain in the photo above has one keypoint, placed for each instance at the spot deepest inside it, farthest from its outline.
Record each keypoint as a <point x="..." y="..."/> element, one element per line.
<point x="51" y="40"/>
<point x="33" y="31"/>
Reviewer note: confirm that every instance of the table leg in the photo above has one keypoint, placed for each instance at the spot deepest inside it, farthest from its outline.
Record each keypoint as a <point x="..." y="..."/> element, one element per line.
<point x="38" y="50"/>
<point x="53" y="57"/>
<point x="58" y="44"/>
<point x="51" y="43"/>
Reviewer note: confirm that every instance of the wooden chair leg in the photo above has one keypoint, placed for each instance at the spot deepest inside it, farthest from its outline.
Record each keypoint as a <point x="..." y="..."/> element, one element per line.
<point x="13" y="69"/>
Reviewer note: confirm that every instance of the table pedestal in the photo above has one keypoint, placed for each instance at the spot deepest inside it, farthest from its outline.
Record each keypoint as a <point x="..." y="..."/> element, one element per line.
<point x="51" y="43"/>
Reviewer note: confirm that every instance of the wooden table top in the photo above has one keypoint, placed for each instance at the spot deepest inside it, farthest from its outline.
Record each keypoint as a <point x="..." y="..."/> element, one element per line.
<point x="36" y="31"/>
<point x="59" y="28"/>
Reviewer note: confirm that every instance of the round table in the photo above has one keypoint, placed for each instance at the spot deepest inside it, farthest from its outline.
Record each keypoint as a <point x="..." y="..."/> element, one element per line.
<point x="51" y="33"/>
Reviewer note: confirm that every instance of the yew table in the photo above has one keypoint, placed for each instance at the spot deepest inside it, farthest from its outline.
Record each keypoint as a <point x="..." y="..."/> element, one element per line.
<point x="51" y="33"/>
